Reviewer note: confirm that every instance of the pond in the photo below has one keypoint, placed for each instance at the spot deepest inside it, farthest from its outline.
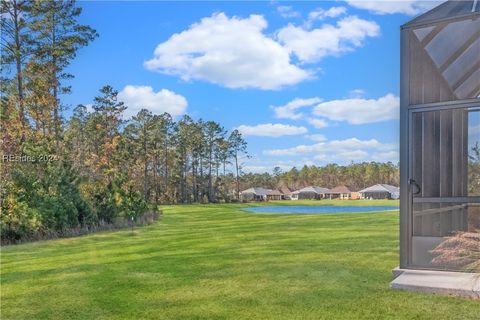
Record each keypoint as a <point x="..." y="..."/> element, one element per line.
<point x="318" y="209"/>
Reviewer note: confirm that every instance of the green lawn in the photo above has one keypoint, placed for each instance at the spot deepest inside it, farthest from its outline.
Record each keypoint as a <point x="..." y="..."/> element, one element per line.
<point x="217" y="262"/>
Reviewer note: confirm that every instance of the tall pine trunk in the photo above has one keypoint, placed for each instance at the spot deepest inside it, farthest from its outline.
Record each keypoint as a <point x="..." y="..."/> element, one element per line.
<point x="155" y="178"/>
<point x="55" y="84"/>
<point x="194" y="181"/>
<point x="18" y="63"/>
<point x="166" y="164"/>
<point x="210" y="197"/>
<point x="225" y="190"/>
<point x="145" y="165"/>
<point x="202" y="191"/>
<point x="237" y="178"/>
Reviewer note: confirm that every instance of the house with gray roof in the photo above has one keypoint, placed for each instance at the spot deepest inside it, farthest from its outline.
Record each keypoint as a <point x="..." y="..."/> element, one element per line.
<point x="380" y="191"/>
<point x="311" y="192"/>
<point x="254" y="194"/>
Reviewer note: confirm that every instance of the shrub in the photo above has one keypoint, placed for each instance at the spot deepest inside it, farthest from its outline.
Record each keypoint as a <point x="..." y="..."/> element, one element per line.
<point x="18" y="220"/>
<point x="460" y="251"/>
<point x="132" y="204"/>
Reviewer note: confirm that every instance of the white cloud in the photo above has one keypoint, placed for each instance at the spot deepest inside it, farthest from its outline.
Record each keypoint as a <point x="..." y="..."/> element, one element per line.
<point x="318" y="123"/>
<point x="343" y="156"/>
<point x="313" y="45"/>
<point x="287" y="12"/>
<point x="232" y="52"/>
<point x="260" y="165"/>
<point x="409" y="7"/>
<point x="271" y="130"/>
<point x="360" y="111"/>
<point x="265" y="168"/>
<point x="329" y="149"/>
<point x="356" y="93"/>
<point x="289" y="111"/>
<point x="392" y="156"/>
<point x="321" y="14"/>
<point x="138" y="97"/>
<point x="316" y="137"/>
<point x="335" y="151"/>
<point x="353" y="155"/>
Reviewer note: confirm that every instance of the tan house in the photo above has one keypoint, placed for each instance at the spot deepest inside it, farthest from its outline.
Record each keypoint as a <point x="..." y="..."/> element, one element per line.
<point x="274" y="195"/>
<point x="342" y="192"/>
<point x="287" y="193"/>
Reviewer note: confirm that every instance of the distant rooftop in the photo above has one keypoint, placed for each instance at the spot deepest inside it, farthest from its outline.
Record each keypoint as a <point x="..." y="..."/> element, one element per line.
<point x="341" y="189"/>
<point x="285" y="190"/>
<point x="318" y="190"/>
<point x="381" y="188"/>
<point x="257" y="191"/>
<point x="274" y="193"/>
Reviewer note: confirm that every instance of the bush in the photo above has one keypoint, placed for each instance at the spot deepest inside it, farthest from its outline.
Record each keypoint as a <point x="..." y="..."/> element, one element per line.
<point x="460" y="251"/>
<point x="18" y="221"/>
<point x="132" y="204"/>
<point x="42" y="197"/>
<point x="103" y="203"/>
<point x="47" y="199"/>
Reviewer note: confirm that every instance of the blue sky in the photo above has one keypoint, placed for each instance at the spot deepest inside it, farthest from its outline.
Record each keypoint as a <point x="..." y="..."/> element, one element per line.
<point x="305" y="82"/>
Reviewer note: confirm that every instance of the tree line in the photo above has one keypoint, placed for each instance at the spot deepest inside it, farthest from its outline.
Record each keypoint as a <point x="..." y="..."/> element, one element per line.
<point x="164" y="160"/>
<point x="355" y="175"/>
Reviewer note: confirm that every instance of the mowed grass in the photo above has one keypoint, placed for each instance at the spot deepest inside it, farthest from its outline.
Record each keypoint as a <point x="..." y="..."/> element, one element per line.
<point x="218" y="262"/>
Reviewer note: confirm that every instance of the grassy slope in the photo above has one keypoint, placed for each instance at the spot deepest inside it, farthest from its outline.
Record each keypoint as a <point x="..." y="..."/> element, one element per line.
<point x="216" y="262"/>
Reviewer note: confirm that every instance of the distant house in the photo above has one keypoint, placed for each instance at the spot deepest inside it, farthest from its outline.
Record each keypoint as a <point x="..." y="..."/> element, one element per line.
<point x="380" y="191"/>
<point x="275" y="195"/>
<point x="309" y="193"/>
<point x="287" y="193"/>
<point x="342" y="192"/>
<point x="254" y="194"/>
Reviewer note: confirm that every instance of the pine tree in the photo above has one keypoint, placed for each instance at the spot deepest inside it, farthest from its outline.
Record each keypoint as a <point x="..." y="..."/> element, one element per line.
<point x="238" y="146"/>
<point x="107" y="120"/>
<point x="141" y="130"/>
<point x="213" y="134"/>
<point x="16" y="45"/>
<point x="58" y="37"/>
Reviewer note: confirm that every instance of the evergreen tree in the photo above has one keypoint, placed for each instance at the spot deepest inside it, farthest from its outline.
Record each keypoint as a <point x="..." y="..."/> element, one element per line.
<point x="16" y="40"/>
<point x="238" y="146"/>
<point x="107" y="120"/>
<point x="58" y="37"/>
<point x="213" y="134"/>
<point x="141" y="133"/>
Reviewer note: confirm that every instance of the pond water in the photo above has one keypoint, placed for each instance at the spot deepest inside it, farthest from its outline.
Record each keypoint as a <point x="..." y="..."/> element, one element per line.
<point x="318" y="209"/>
